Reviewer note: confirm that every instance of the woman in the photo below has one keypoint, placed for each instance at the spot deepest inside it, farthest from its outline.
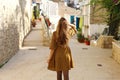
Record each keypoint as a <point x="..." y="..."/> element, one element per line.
<point x="60" y="59"/>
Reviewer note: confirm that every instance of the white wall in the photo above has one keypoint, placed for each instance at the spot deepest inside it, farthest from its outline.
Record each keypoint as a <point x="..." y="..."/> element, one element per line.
<point x="15" y="18"/>
<point x="50" y="8"/>
<point x="97" y="28"/>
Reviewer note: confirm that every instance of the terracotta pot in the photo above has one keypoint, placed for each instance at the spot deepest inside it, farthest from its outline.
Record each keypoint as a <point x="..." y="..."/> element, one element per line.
<point x="87" y="42"/>
<point x="33" y="23"/>
<point x="81" y="40"/>
<point x="39" y="19"/>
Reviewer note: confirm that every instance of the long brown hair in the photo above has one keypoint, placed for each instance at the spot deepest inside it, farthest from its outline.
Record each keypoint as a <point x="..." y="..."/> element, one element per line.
<point x="62" y="37"/>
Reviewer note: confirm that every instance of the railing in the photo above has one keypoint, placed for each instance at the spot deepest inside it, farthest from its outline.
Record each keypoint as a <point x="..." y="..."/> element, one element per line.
<point x="46" y="25"/>
<point x="48" y="8"/>
<point x="46" y="33"/>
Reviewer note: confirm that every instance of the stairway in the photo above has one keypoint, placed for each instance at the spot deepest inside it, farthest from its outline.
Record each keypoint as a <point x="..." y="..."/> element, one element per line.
<point x="38" y="35"/>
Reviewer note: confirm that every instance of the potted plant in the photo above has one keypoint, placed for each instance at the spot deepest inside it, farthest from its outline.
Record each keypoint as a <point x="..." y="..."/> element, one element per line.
<point x="33" y="23"/>
<point x="36" y="12"/>
<point x="87" y="41"/>
<point x="80" y="37"/>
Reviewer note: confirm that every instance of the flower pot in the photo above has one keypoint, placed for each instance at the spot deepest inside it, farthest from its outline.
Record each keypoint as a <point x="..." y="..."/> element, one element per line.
<point x="81" y="40"/>
<point x="33" y="23"/>
<point x="87" y="42"/>
<point x="39" y="19"/>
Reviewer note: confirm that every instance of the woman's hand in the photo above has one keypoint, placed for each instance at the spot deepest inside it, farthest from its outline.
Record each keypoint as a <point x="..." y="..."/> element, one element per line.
<point x="48" y="60"/>
<point x="73" y="27"/>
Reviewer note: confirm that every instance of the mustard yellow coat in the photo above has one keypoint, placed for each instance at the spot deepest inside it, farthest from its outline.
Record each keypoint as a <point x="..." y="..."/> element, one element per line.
<point x="62" y="56"/>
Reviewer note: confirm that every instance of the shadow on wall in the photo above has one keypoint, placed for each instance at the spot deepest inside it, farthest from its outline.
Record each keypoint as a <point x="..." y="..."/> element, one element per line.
<point x="14" y="28"/>
<point x="22" y="4"/>
<point x="23" y="19"/>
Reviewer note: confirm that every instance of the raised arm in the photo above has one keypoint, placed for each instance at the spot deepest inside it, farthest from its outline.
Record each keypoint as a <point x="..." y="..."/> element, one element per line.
<point x="72" y="30"/>
<point x="73" y="27"/>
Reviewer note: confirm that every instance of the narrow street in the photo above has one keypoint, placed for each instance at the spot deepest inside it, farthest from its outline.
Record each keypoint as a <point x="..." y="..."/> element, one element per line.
<point x="91" y="63"/>
<point x="30" y="62"/>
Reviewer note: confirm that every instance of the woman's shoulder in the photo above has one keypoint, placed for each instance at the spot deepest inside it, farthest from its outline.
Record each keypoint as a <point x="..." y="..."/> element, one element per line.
<point x="54" y="33"/>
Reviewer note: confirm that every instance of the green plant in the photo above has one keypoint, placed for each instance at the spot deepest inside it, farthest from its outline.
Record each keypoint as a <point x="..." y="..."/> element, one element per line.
<point x="87" y="39"/>
<point x="113" y="14"/>
<point x="36" y="12"/>
<point x="79" y="30"/>
<point x="80" y="37"/>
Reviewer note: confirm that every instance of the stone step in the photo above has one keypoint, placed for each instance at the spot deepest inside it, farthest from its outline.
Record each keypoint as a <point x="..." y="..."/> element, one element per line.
<point x="44" y="42"/>
<point x="33" y="43"/>
<point x="37" y="37"/>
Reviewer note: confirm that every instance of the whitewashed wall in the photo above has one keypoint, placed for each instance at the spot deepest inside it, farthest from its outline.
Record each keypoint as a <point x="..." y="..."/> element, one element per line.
<point x="15" y="18"/>
<point x="97" y="28"/>
<point x="50" y="8"/>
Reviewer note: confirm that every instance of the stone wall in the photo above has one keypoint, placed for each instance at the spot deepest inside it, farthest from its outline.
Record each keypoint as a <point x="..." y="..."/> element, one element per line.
<point x="15" y="18"/>
<point x="116" y="51"/>
<point x="98" y="15"/>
